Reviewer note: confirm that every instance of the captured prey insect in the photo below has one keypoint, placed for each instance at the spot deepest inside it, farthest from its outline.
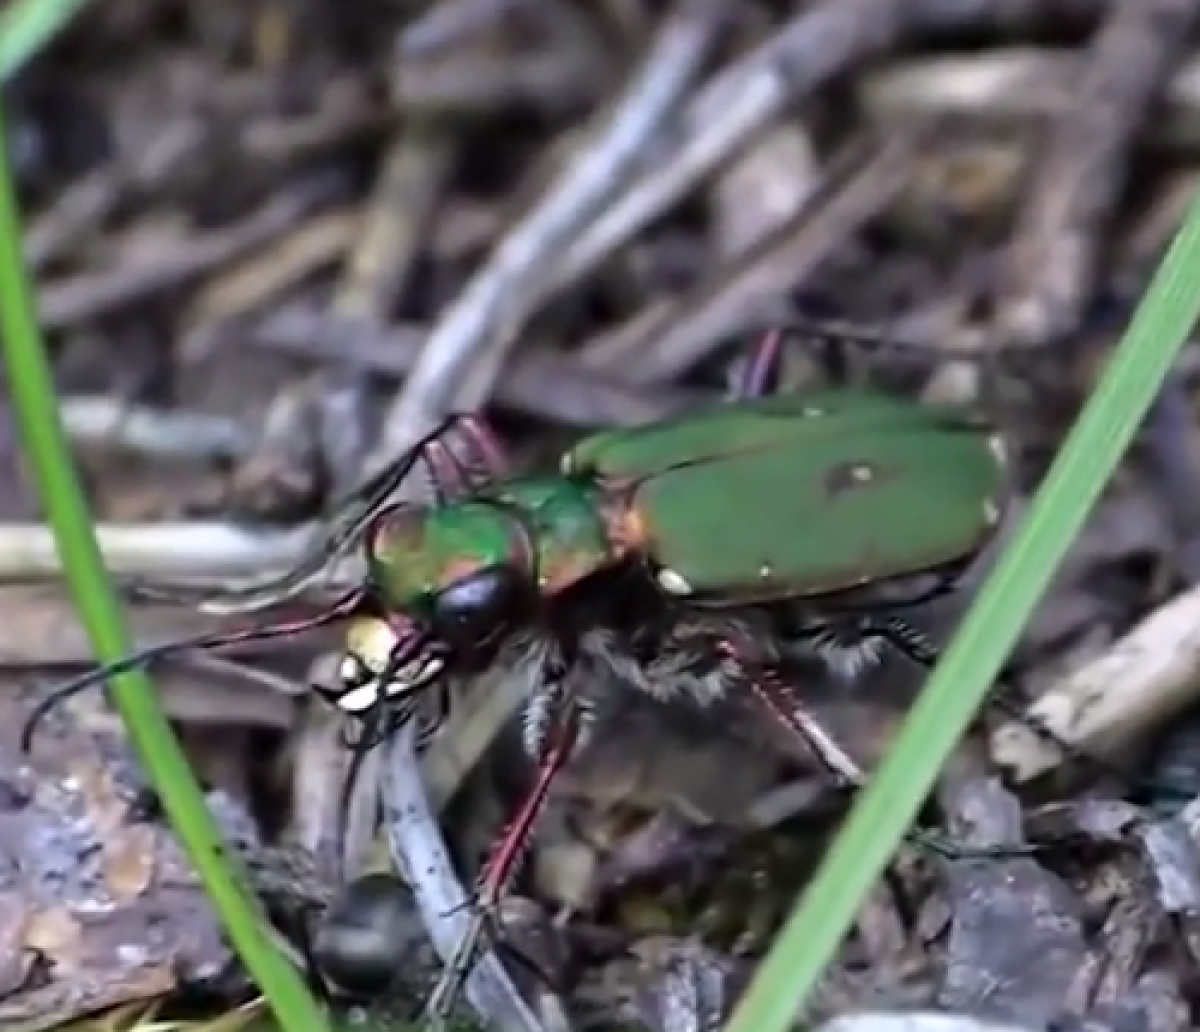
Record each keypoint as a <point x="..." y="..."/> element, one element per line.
<point x="696" y="557"/>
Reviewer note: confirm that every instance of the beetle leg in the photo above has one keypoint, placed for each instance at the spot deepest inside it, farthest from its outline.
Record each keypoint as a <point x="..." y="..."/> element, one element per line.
<point x="778" y="697"/>
<point x="902" y="636"/>
<point x="562" y="739"/>
<point x="850" y="645"/>
<point x="463" y="459"/>
<point x="448" y="477"/>
<point x="480" y="459"/>
<point x="757" y="374"/>
<point x="487" y="453"/>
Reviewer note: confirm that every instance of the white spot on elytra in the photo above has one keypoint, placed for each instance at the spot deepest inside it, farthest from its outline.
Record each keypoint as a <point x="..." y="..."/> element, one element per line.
<point x="673" y="583"/>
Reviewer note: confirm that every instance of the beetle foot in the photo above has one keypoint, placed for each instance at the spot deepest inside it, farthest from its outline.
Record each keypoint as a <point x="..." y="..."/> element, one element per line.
<point x="760" y="373"/>
<point x="918" y="647"/>
<point x="904" y="638"/>
<point x="487" y="453"/>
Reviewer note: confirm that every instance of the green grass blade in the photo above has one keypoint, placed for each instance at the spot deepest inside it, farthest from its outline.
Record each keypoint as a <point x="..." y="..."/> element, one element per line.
<point x="26" y="26"/>
<point x="958" y="686"/>
<point x="35" y="404"/>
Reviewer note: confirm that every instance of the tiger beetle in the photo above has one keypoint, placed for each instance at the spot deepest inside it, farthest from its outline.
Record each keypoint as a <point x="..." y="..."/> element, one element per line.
<point x="689" y="557"/>
<point x="697" y="557"/>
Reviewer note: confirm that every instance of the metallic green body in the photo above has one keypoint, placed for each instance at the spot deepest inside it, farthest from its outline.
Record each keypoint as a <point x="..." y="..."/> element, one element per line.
<point x="803" y="494"/>
<point x="571" y="538"/>
<point x="788" y="496"/>
<point x="423" y="550"/>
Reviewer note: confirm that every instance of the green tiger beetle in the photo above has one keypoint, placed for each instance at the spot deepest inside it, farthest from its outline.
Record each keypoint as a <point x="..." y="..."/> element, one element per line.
<point x="698" y="557"/>
<point x="858" y="504"/>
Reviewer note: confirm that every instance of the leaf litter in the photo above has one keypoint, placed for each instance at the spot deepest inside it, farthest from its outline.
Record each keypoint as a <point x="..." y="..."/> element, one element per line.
<point x="246" y="231"/>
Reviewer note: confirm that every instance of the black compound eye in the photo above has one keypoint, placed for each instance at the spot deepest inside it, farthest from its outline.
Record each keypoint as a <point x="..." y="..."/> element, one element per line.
<point x="475" y="609"/>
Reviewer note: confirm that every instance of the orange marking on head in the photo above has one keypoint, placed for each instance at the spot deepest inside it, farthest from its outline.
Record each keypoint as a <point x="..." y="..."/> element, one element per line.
<point x="396" y="532"/>
<point x="561" y="571"/>
<point x="624" y="523"/>
<point x="457" y="567"/>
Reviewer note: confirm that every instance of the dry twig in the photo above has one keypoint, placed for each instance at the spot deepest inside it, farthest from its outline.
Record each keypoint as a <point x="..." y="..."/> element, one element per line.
<point x="538" y="381"/>
<point x="1152" y="673"/>
<point x="416" y="843"/>
<point x="468" y="346"/>
<point x="1052" y="266"/>
<point x="659" y="344"/>
<point x="155" y="550"/>
<point x="94" y="295"/>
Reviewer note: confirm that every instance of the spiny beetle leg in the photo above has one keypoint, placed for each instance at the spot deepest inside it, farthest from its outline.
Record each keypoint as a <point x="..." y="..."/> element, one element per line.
<point x="782" y="702"/>
<point x="902" y="636"/>
<point x="488" y="453"/>
<point x="506" y="856"/>
<point x="448" y="477"/>
<point x="455" y="475"/>
<point x="920" y="648"/>
<point x="760" y="373"/>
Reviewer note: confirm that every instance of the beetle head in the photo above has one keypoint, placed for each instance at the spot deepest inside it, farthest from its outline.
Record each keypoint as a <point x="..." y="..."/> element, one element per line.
<point x="452" y="582"/>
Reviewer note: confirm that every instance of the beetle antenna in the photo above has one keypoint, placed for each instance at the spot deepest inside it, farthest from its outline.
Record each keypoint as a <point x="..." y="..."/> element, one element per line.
<point x="341" y="533"/>
<point x="214" y="639"/>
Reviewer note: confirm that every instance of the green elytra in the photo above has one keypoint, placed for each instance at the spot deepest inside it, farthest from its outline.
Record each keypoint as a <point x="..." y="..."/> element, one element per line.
<point x="785" y="496"/>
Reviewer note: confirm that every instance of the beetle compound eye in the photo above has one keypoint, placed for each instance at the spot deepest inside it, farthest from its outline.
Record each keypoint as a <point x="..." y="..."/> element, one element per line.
<point x="473" y="610"/>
